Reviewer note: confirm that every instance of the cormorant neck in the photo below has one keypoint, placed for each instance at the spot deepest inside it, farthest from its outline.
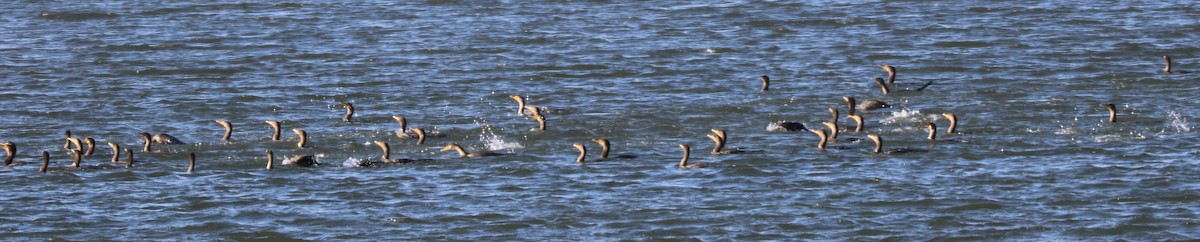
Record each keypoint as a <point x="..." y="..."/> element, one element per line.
<point x="766" y="82"/>
<point x="932" y="130"/>
<point x="274" y="125"/>
<point x="45" y="161"/>
<point x="129" y="163"/>
<point x="883" y="86"/>
<point x="850" y="105"/>
<point x="858" y="121"/>
<point x="403" y="122"/>
<point x="824" y="138"/>
<point x="191" y="162"/>
<point x="878" y="142"/>
<point x="686" y="152"/>
<point x="116" y="151"/>
<point x="77" y="157"/>
<point x="1112" y="112"/>
<point x="720" y="144"/>
<point x="146" y="139"/>
<point x="270" y="160"/>
<point x="303" y="138"/>
<point x="953" y="122"/>
<point x="520" y="104"/>
<point x="91" y="143"/>
<point x="420" y="135"/>
<point x="228" y="129"/>
<point x="603" y="149"/>
<point x="582" y="153"/>
<point x="833" y="129"/>
<point x="349" y="112"/>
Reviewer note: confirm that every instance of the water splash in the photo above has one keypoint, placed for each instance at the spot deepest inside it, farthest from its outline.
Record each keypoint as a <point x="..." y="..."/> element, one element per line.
<point x="903" y="116"/>
<point x="354" y="162"/>
<point x="494" y="142"/>
<point x="1177" y="122"/>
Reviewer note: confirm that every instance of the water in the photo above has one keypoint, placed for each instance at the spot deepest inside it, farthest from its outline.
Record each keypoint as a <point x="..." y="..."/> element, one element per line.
<point x="1037" y="160"/>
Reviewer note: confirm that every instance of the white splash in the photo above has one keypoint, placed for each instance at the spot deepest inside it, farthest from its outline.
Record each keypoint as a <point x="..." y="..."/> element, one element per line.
<point x="354" y="162"/>
<point x="904" y="115"/>
<point x="1177" y="122"/>
<point x="494" y="142"/>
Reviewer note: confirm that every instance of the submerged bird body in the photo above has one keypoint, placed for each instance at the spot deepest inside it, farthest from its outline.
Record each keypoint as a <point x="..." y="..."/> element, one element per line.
<point x="301" y="160"/>
<point x="867" y="105"/>
<point x="463" y="152"/>
<point x="387" y="153"/>
<point x="879" y="147"/>
<point x="160" y="138"/>
<point x="720" y="138"/>
<point x="1168" y="68"/>
<point x="604" y="149"/>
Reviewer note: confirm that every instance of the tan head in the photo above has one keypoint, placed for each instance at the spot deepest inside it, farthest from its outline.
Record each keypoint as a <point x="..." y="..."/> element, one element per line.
<point x="858" y="122"/>
<point x="721" y="134"/>
<point x="766" y="82"/>
<point x="932" y="131"/>
<point x="833" y="129"/>
<point x="883" y="86"/>
<point x="303" y="138"/>
<point x="582" y="152"/>
<point x="349" y="112"/>
<point x="275" y="125"/>
<point x="878" y="142"/>
<point x="824" y="138"/>
<point x="228" y="129"/>
<point x="891" y="73"/>
<point x="850" y="104"/>
<point x="1112" y="112"/>
<point x="953" y="122"/>
<point x="520" y="104"/>
<point x="420" y="135"/>
<point x="603" y="147"/>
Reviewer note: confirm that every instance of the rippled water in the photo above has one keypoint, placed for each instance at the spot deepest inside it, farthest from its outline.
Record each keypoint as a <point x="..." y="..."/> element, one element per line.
<point x="1037" y="159"/>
